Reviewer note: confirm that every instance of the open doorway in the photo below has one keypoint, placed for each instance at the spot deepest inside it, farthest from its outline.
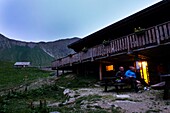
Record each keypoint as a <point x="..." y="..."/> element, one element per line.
<point x="143" y="67"/>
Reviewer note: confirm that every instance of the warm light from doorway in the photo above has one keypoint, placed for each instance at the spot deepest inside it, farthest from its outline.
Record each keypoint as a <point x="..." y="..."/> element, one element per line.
<point x="143" y="66"/>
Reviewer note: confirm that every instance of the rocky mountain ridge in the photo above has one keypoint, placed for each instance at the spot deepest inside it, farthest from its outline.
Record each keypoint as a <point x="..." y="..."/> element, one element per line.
<point x="37" y="53"/>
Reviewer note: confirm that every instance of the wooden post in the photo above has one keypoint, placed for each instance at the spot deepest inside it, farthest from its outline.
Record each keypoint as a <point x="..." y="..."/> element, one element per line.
<point x="128" y="48"/>
<point x="92" y="55"/>
<point x="100" y="71"/>
<point x="157" y="35"/>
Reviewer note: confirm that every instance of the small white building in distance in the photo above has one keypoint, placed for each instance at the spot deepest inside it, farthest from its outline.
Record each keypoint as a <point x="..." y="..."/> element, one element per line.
<point x="22" y="64"/>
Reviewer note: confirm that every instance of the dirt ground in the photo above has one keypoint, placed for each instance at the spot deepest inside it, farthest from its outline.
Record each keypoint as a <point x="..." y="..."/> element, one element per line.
<point x="149" y="101"/>
<point x="146" y="101"/>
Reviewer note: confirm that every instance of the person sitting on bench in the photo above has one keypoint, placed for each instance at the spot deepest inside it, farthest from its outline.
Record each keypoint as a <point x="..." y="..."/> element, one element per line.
<point x="131" y="78"/>
<point x="120" y="75"/>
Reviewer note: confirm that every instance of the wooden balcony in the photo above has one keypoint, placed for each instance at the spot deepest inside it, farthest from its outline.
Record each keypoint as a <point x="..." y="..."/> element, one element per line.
<point x="150" y="37"/>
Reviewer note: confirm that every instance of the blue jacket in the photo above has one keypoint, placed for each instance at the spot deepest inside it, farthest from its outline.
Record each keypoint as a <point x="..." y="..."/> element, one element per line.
<point x="130" y="73"/>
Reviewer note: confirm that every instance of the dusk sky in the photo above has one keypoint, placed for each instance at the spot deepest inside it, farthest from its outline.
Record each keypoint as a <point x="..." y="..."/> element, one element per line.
<point x="50" y="20"/>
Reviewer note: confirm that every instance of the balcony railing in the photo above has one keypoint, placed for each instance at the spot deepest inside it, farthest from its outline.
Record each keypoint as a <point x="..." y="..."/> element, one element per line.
<point x="156" y="35"/>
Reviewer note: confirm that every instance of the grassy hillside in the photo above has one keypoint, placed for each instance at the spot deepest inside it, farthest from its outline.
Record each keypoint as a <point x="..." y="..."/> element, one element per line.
<point x="53" y="93"/>
<point x="34" y="55"/>
<point x="11" y="77"/>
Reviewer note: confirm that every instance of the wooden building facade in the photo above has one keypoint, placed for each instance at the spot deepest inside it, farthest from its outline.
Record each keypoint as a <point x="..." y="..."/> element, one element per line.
<point x="142" y="40"/>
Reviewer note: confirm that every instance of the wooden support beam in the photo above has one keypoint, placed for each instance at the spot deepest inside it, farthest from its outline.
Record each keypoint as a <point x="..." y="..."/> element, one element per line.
<point x="100" y="71"/>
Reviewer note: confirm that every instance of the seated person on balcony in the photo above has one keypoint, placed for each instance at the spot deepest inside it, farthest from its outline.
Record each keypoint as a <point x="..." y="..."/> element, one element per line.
<point x="120" y="75"/>
<point x="131" y="78"/>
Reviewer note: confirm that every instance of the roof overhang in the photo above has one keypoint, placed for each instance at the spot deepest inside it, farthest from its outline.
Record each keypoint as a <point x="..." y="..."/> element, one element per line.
<point x="145" y="18"/>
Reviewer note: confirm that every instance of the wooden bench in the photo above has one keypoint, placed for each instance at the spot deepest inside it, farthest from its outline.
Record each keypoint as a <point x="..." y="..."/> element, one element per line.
<point x="110" y="81"/>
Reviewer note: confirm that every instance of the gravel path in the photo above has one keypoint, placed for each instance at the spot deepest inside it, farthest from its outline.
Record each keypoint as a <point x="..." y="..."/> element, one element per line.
<point x="144" y="102"/>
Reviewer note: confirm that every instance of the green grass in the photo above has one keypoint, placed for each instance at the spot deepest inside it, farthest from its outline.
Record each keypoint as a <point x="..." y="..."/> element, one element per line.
<point x="11" y="77"/>
<point x="77" y="81"/>
<point x="21" y="102"/>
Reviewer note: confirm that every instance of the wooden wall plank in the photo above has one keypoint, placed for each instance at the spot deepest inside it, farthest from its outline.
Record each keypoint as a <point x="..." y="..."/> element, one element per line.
<point x="147" y="37"/>
<point x="137" y="41"/>
<point x="140" y="41"/>
<point x="133" y="40"/>
<point x="161" y="33"/>
<point x="116" y="47"/>
<point x="120" y="44"/>
<point x="112" y="47"/>
<point x="169" y="29"/>
<point x="157" y="35"/>
<point x="165" y="31"/>
<point x="128" y="46"/>
<point x="150" y="36"/>
<point x="130" y="41"/>
<point x="125" y="47"/>
<point x="123" y="43"/>
<point x="143" y="40"/>
<point x="153" y="35"/>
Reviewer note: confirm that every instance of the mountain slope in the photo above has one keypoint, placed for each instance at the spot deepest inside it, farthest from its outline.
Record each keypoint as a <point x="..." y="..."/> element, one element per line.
<point x="39" y="54"/>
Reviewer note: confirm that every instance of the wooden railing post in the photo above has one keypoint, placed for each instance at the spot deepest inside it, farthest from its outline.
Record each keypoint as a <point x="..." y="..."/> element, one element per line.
<point x="92" y="54"/>
<point x="157" y="35"/>
<point x="128" y="45"/>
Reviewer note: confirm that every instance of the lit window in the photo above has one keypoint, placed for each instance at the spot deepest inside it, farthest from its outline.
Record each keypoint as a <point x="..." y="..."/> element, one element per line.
<point x="109" y="68"/>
